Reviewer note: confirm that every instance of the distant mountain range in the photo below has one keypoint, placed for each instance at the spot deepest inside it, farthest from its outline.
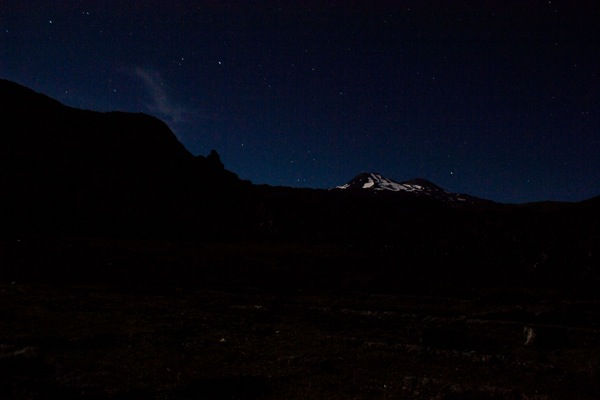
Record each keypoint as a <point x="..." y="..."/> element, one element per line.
<point x="78" y="173"/>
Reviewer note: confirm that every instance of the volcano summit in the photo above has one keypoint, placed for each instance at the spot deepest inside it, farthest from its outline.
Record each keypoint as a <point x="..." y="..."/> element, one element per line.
<point x="420" y="187"/>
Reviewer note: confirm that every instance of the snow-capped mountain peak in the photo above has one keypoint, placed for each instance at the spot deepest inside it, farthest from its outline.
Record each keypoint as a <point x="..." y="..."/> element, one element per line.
<point x="420" y="187"/>
<point x="374" y="181"/>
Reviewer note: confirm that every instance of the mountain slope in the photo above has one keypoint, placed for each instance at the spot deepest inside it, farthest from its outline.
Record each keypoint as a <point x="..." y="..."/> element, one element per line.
<point x="67" y="169"/>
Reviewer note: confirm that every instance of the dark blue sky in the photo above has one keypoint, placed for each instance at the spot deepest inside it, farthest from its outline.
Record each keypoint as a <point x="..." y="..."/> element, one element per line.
<point x="498" y="99"/>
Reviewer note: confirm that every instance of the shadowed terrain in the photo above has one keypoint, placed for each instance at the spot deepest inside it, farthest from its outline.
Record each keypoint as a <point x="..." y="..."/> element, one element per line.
<point x="96" y="342"/>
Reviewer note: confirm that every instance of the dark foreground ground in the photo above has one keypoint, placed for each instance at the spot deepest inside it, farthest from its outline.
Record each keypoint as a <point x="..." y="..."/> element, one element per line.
<point x="99" y="342"/>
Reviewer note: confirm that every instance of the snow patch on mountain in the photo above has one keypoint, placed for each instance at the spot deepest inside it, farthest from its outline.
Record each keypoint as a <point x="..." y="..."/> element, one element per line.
<point x="375" y="181"/>
<point x="420" y="187"/>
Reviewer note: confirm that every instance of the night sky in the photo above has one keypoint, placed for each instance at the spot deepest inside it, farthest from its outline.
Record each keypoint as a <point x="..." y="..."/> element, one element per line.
<point x="497" y="99"/>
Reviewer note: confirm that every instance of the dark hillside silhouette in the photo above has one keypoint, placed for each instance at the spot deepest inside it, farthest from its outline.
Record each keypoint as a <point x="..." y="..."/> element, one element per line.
<point x="64" y="169"/>
<point x="78" y="173"/>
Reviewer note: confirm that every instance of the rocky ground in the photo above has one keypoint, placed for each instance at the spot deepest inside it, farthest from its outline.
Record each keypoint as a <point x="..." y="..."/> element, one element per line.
<point x="133" y="342"/>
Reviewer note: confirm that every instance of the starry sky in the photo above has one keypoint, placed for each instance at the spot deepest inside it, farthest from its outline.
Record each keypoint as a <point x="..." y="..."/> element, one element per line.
<point x="497" y="99"/>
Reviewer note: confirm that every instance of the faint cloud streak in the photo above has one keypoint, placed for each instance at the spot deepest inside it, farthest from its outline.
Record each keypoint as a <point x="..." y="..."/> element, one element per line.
<point x="161" y="103"/>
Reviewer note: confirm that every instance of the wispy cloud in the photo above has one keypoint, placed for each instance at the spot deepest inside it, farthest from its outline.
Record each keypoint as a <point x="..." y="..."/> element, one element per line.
<point x="161" y="103"/>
